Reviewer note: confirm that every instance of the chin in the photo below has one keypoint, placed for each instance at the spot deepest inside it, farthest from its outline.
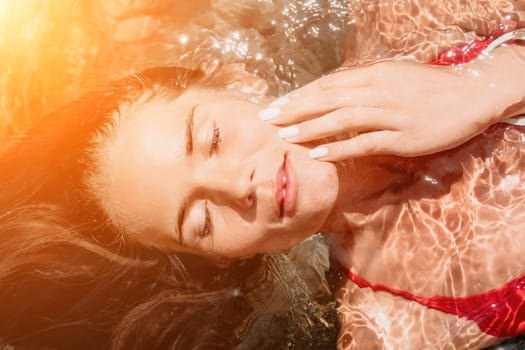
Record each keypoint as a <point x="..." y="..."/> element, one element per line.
<point x="324" y="184"/>
<point x="312" y="216"/>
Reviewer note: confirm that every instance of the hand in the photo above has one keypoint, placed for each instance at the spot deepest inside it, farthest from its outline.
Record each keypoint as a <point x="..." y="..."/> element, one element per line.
<point x="399" y="108"/>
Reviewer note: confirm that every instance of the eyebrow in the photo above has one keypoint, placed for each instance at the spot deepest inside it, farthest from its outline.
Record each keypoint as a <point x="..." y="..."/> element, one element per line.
<point x="189" y="132"/>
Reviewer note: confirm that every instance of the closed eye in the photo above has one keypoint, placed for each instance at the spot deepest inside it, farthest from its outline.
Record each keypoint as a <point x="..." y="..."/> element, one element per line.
<point x="207" y="228"/>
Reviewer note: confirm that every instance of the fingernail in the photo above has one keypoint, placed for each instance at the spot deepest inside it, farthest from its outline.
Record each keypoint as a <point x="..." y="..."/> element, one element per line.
<point x="269" y="113"/>
<point x="279" y="102"/>
<point x="516" y="121"/>
<point x="288" y="132"/>
<point x="318" y="152"/>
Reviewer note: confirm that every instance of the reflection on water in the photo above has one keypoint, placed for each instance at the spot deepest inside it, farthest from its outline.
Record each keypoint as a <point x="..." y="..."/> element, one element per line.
<point x="420" y="30"/>
<point x="298" y="285"/>
<point x="53" y="51"/>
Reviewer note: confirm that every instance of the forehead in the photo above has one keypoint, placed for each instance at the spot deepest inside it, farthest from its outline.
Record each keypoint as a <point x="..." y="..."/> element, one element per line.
<point x="154" y="128"/>
<point x="140" y="160"/>
<point x="149" y="132"/>
<point x="151" y="120"/>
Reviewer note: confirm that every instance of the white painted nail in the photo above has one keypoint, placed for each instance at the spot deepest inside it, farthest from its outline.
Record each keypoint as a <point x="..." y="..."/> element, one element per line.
<point x="288" y="132"/>
<point x="269" y="113"/>
<point x="516" y="121"/>
<point x="318" y="152"/>
<point x="279" y="102"/>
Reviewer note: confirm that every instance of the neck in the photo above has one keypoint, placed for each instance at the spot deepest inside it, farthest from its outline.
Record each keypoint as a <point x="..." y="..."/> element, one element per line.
<point x="361" y="181"/>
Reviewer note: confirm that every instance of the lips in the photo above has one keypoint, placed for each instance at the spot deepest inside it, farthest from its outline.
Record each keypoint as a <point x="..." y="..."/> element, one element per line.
<point x="285" y="189"/>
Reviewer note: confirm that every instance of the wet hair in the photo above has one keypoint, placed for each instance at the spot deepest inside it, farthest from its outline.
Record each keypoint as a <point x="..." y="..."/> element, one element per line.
<point x="71" y="279"/>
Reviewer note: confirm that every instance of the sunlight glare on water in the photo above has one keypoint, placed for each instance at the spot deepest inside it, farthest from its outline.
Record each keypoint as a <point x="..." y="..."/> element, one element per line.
<point x="53" y="51"/>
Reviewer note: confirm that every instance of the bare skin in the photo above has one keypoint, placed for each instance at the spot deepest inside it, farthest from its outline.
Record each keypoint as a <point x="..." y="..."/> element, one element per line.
<point x="447" y="225"/>
<point x="450" y="224"/>
<point x="420" y="30"/>
<point x="404" y="108"/>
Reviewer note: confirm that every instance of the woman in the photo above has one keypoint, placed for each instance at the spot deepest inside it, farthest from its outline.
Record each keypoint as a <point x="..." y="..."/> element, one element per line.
<point x="187" y="144"/>
<point x="209" y="186"/>
<point x="230" y="181"/>
<point x="71" y="277"/>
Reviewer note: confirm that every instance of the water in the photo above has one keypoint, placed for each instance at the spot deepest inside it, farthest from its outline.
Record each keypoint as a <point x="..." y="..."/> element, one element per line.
<point x="423" y="29"/>
<point x="51" y="52"/>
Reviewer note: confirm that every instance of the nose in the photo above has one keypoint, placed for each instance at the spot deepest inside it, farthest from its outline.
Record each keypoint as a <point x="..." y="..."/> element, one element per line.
<point x="234" y="188"/>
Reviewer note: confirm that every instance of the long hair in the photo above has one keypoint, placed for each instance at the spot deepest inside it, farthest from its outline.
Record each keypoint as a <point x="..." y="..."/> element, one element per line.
<point x="69" y="280"/>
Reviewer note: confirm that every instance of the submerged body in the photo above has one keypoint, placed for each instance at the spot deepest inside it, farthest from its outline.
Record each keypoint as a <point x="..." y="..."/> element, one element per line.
<point x="434" y="257"/>
<point x="453" y="225"/>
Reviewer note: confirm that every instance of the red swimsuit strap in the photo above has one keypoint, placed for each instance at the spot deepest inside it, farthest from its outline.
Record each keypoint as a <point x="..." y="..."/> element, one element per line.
<point x="498" y="312"/>
<point x="464" y="53"/>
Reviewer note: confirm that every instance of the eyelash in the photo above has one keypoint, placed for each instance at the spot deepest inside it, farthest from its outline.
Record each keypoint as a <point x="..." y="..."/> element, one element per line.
<point x="207" y="229"/>
<point x="216" y="139"/>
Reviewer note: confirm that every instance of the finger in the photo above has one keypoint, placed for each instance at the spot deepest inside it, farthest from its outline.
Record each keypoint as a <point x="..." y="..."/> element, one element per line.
<point x="345" y="78"/>
<point x="358" y="119"/>
<point x="306" y="107"/>
<point x="377" y="142"/>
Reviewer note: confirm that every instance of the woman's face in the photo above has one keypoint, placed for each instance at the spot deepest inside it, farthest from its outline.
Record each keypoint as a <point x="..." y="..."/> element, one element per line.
<point x="201" y="173"/>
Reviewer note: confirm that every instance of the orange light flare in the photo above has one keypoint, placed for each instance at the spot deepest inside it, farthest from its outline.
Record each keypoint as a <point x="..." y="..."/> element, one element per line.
<point x="20" y="24"/>
<point x="38" y="42"/>
<point x="21" y="29"/>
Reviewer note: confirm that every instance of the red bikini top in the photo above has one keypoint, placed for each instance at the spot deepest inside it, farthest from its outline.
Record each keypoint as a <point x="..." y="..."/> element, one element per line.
<point x="498" y="312"/>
